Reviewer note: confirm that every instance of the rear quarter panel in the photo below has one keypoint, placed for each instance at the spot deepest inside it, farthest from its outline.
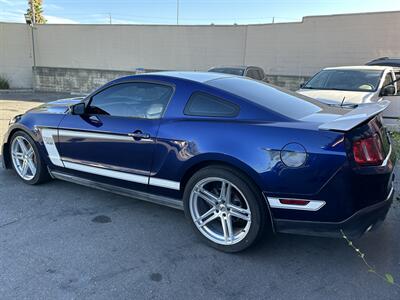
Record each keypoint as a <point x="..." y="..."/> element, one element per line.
<point x="251" y="147"/>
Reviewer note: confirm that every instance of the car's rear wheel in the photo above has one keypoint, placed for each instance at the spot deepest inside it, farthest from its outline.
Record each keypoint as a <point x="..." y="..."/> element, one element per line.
<point x="225" y="208"/>
<point x="26" y="160"/>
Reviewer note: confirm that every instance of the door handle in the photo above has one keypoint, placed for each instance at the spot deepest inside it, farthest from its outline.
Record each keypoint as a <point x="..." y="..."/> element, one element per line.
<point x="138" y="135"/>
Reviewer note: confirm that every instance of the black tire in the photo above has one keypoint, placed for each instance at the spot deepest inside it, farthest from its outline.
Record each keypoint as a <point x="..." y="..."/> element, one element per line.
<point x="259" y="211"/>
<point x="42" y="175"/>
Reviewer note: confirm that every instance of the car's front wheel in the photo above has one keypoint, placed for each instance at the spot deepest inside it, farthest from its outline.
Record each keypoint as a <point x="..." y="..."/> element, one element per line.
<point x="225" y="208"/>
<point x="26" y="160"/>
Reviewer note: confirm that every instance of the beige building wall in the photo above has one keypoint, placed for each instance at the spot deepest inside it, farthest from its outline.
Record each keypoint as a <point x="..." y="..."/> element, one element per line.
<point x="126" y="47"/>
<point x="281" y="49"/>
<point x="16" y="58"/>
<point x="317" y="42"/>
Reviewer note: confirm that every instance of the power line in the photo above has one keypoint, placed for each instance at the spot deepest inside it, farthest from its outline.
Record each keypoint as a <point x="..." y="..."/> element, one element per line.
<point x="98" y="15"/>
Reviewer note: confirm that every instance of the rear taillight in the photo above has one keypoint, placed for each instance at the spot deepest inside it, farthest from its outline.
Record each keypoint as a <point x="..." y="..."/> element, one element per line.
<point x="368" y="151"/>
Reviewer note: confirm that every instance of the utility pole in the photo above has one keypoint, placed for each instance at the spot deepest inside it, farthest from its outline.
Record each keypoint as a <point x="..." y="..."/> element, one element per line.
<point x="33" y="21"/>
<point x="273" y="20"/>
<point x="32" y="25"/>
<point x="177" y="12"/>
<point x="109" y="15"/>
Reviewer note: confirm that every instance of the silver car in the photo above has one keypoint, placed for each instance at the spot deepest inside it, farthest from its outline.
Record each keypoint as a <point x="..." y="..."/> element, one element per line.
<point x="246" y="71"/>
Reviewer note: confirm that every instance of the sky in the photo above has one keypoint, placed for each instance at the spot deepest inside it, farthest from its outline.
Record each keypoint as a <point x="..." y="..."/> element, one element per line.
<point x="190" y="11"/>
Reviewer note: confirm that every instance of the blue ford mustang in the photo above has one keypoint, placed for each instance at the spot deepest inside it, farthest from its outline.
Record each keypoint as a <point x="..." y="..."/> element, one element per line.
<point x="238" y="155"/>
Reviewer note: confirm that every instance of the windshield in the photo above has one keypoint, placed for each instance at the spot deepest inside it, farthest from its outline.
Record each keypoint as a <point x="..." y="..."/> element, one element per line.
<point x="233" y="71"/>
<point x="346" y="80"/>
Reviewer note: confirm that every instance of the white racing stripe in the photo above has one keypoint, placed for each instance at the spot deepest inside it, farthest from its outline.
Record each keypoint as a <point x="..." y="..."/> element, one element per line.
<point x="107" y="173"/>
<point x="48" y="140"/>
<point x="94" y="135"/>
<point x="169" y="184"/>
<point x="54" y="156"/>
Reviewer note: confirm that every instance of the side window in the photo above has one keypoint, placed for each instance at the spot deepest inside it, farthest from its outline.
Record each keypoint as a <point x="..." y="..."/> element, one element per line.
<point x="133" y="99"/>
<point x="398" y="82"/>
<point x="205" y="105"/>
<point x="388" y="79"/>
<point x="252" y="73"/>
<point x="260" y="74"/>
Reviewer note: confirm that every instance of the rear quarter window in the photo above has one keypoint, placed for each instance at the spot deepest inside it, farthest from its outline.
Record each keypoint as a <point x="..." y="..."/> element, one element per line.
<point x="289" y="104"/>
<point x="206" y="105"/>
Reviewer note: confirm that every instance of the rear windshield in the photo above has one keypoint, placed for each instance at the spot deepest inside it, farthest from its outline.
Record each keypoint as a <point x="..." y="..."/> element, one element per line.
<point x="233" y="71"/>
<point x="292" y="105"/>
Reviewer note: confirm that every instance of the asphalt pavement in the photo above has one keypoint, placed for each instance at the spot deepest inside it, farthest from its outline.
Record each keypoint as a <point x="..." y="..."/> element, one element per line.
<point x="64" y="241"/>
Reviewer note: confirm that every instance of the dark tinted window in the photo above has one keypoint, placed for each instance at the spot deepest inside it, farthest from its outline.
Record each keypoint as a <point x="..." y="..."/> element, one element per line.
<point x="136" y="99"/>
<point x="284" y="102"/>
<point x="253" y="73"/>
<point x="202" y="104"/>
<point x="398" y="82"/>
<point x="260" y="74"/>
<point x="233" y="71"/>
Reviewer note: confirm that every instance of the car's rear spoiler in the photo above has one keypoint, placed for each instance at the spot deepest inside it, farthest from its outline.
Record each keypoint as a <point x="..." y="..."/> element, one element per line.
<point x="362" y="113"/>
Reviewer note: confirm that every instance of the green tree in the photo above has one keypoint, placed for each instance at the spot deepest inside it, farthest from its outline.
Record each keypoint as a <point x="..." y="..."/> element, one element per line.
<point x="37" y="5"/>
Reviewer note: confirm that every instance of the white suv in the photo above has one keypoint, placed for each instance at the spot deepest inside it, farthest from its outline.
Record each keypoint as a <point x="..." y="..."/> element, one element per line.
<point x="356" y="85"/>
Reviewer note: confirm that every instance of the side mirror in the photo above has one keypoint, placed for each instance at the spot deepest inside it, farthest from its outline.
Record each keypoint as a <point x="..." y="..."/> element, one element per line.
<point x="388" y="90"/>
<point x="302" y="85"/>
<point x="78" y="109"/>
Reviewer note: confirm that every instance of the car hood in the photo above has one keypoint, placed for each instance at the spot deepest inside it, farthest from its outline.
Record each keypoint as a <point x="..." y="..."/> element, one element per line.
<point x="56" y="107"/>
<point x="335" y="96"/>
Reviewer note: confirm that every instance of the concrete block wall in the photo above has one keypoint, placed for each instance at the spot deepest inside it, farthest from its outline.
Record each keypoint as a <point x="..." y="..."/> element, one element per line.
<point x="83" y="81"/>
<point x="79" y="81"/>
<point x="288" y="82"/>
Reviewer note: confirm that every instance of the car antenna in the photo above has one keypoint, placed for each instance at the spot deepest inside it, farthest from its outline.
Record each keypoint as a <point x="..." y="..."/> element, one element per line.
<point x="344" y="98"/>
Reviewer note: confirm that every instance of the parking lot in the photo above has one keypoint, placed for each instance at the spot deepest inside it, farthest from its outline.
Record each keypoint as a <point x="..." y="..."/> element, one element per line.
<point x="65" y="241"/>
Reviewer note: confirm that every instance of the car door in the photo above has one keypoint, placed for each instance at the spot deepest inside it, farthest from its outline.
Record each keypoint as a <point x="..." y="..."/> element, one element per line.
<point x="115" y="138"/>
<point x="391" y="114"/>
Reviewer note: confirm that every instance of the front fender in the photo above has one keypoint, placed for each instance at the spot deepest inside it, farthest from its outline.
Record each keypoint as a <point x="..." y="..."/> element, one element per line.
<point x="6" y="163"/>
<point x="29" y="124"/>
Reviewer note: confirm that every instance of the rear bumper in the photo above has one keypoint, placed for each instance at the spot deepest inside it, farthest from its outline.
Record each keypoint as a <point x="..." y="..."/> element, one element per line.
<point x="356" y="225"/>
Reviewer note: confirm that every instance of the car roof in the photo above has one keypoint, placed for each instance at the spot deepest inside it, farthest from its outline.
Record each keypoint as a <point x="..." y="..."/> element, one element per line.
<point x="385" y="61"/>
<point x="201" y="77"/>
<point x="378" y="68"/>
<point x="234" y="67"/>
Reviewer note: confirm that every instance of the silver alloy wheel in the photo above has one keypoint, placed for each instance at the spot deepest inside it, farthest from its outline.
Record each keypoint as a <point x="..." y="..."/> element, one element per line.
<point x="220" y="211"/>
<point x="23" y="158"/>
